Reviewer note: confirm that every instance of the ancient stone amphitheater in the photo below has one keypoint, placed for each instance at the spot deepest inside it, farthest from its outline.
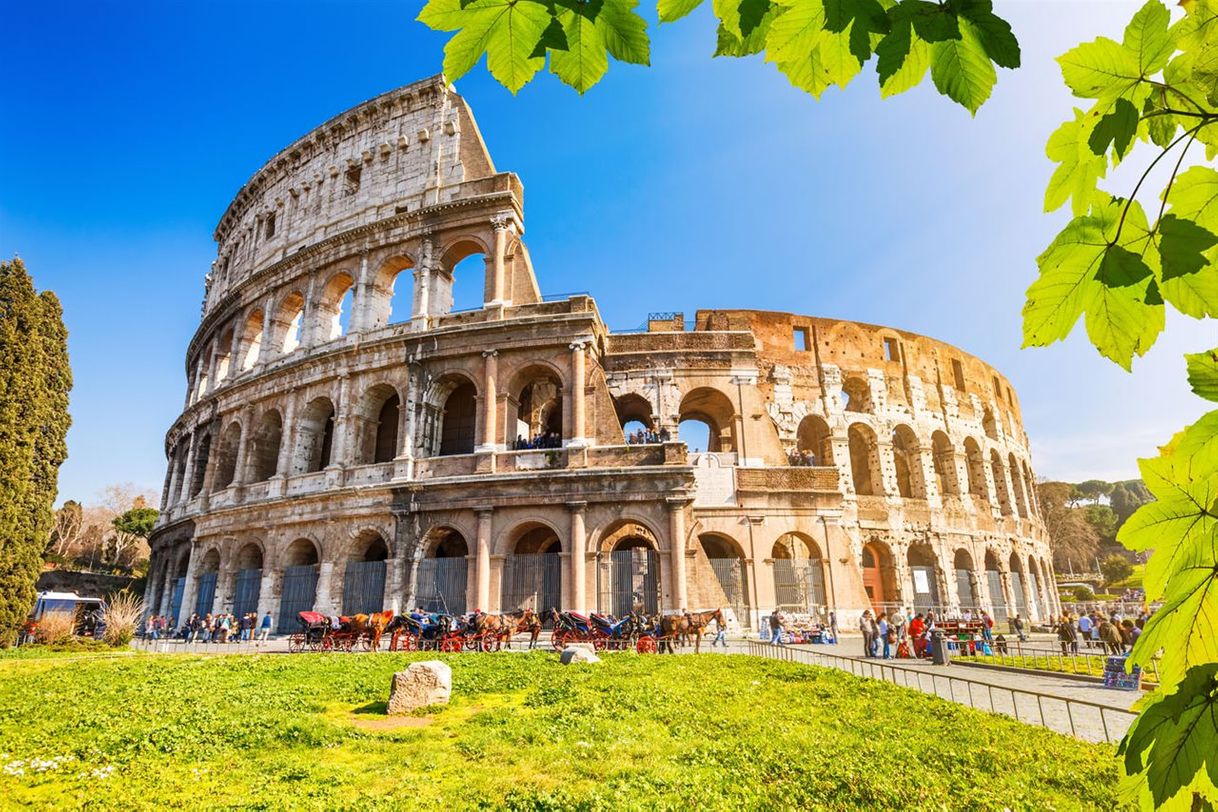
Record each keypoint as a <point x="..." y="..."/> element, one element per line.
<point x="349" y="442"/>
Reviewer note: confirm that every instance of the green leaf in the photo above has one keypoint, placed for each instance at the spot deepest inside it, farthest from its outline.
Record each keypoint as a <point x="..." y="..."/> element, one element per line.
<point x="1148" y="39"/>
<point x="442" y="15"/>
<point x="1175" y="742"/>
<point x="728" y="44"/>
<point x="1182" y="244"/>
<point x="932" y="22"/>
<point x="1197" y="37"/>
<point x="1098" y="69"/>
<point x="863" y="18"/>
<point x="1080" y="168"/>
<point x="797" y="33"/>
<point x="554" y="38"/>
<point x="741" y="17"/>
<point x="507" y="31"/>
<point x="903" y="59"/>
<point x="1203" y="373"/>
<point x="961" y="69"/>
<point x="1116" y="128"/>
<point x="624" y="32"/>
<point x="584" y="61"/>
<point x="993" y="31"/>
<point x="1162" y="126"/>
<point x="672" y="10"/>
<point x="1194" y="196"/>
<point x="1184" y="626"/>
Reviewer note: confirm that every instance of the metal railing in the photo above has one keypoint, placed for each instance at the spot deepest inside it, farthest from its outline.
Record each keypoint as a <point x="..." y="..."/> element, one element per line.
<point x="1090" y="721"/>
<point x="1021" y="655"/>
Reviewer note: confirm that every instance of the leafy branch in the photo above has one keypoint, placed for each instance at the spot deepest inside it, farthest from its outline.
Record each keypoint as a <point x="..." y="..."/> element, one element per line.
<point x="816" y="44"/>
<point x="1119" y="271"/>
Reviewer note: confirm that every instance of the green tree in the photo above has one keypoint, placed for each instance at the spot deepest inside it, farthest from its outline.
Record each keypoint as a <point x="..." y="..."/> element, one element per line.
<point x="1094" y="489"/>
<point x="1072" y="538"/>
<point x="34" y="385"/>
<point x="1083" y="594"/>
<point x="1103" y="519"/>
<point x="1128" y="496"/>
<point x="1115" y="568"/>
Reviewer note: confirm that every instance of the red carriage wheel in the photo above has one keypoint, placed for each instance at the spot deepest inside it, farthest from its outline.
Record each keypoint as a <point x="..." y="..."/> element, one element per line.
<point x="646" y="645"/>
<point x="296" y="643"/>
<point x="487" y="643"/>
<point x="409" y="642"/>
<point x="599" y="642"/>
<point x="450" y="644"/>
<point x="558" y="640"/>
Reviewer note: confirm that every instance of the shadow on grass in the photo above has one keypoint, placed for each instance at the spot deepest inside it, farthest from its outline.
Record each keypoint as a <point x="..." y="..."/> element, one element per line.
<point x="371" y="709"/>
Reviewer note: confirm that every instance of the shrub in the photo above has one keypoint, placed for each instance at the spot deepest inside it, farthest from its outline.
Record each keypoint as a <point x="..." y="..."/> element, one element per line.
<point x="123" y="615"/>
<point x="1083" y="593"/>
<point x="55" y="627"/>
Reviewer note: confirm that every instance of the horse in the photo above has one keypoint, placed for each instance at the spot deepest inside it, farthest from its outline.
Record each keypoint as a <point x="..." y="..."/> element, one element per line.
<point x="699" y="621"/>
<point x="374" y="626"/>
<point x="681" y="627"/>
<point x="524" y="620"/>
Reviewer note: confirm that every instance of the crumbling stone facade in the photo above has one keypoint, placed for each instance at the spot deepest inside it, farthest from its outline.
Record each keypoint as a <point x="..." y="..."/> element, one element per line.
<point x="349" y="443"/>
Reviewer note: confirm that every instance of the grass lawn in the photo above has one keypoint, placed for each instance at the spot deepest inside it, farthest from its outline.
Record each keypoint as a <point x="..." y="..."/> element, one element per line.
<point x="522" y="731"/>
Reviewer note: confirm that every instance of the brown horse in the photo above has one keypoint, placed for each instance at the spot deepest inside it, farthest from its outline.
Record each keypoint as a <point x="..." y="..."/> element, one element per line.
<point x="682" y="627"/>
<point x="526" y="620"/>
<point x="374" y="627"/>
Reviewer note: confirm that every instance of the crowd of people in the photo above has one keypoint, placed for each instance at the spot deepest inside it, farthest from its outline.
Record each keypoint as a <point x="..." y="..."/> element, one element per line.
<point x="1111" y="633"/>
<point x="550" y="439"/>
<point x="801" y="459"/>
<point x="904" y="633"/>
<point x="222" y="627"/>
<point x="648" y="437"/>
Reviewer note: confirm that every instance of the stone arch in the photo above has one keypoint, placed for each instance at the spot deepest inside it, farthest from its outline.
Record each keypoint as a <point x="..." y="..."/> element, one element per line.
<point x="332" y="310"/>
<point x="1016" y="574"/>
<point x="378" y="416"/>
<point x="799" y="574"/>
<point x="250" y="348"/>
<point x="1000" y="482"/>
<point x="1021" y="499"/>
<point x="389" y="301"/>
<point x="247" y="568"/>
<point x="975" y="464"/>
<point x="1030" y="490"/>
<point x="364" y="573"/>
<point x="226" y="461"/>
<point x="302" y="551"/>
<point x="442" y="575"/>
<point x="287" y="324"/>
<point x="628" y="570"/>
<point x="632" y="408"/>
<point x="536" y="394"/>
<point x="880" y="576"/>
<point x="814" y="436"/>
<point x="314" y="436"/>
<point x="262" y="450"/>
<point x="988" y="424"/>
<point x="445" y="279"/>
<point x="714" y="409"/>
<point x="532" y="567"/>
<point x="994" y="586"/>
<point x="856" y="394"/>
<point x="907" y="456"/>
<point x="206" y="580"/>
<point x="926" y="576"/>
<point x="726" y="582"/>
<point x="202" y="456"/>
<point x="298" y="581"/>
<point x="944" y="457"/>
<point x="224" y="354"/>
<point x="967" y="592"/>
<point x="865" y="460"/>
<point x="450" y="415"/>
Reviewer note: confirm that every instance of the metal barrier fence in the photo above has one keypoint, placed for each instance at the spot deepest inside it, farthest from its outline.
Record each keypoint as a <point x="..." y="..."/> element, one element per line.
<point x="1090" y="721"/>
<point x="1022" y="655"/>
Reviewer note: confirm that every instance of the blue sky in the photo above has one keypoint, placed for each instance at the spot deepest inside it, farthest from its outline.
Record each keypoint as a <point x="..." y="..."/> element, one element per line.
<point x="694" y="183"/>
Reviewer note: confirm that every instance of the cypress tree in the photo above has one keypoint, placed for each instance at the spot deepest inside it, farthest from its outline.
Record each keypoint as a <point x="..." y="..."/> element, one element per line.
<point x="34" y="384"/>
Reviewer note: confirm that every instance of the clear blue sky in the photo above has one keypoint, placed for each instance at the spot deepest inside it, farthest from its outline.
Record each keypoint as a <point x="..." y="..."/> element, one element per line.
<point x="695" y="183"/>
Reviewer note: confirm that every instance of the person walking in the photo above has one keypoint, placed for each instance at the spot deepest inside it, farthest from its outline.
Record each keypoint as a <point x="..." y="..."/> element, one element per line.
<point x="720" y="635"/>
<point x="266" y="627"/>
<point x="1017" y="625"/>
<point x="867" y="627"/>
<point x="775" y="628"/>
<point x="884" y="631"/>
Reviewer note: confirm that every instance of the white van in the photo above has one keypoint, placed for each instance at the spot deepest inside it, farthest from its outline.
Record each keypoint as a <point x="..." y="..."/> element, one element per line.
<point x="88" y="612"/>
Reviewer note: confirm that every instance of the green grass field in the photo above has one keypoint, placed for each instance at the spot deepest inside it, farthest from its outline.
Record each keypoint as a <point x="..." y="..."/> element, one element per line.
<point x="522" y="731"/>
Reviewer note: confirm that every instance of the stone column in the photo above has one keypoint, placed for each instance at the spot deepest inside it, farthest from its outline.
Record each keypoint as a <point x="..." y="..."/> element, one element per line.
<point x="175" y="483"/>
<point x="191" y="592"/>
<point x="308" y="330"/>
<point x="171" y="574"/>
<point x="266" y="596"/>
<point x="211" y="367"/>
<point x="286" y="435"/>
<point x="490" y="401"/>
<point x="392" y="599"/>
<point x="579" y="589"/>
<point x="482" y="577"/>
<point x="340" y="451"/>
<point x="577" y="432"/>
<point x="188" y="471"/>
<point x="676" y="532"/>
<point x="404" y="463"/>
<point x="323" y="602"/>
<point x="359" y="321"/>
<point x="501" y="222"/>
<point x="266" y="351"/>
<point x="240" y="474"/>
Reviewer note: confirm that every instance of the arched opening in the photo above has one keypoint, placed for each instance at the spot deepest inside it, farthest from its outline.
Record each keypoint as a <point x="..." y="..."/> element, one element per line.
<point x="906" y="453"/>
<point x="247" y="582"/>
<point x="251" y="339"/>
<point x="634" y="414"/>
<point x="629" y="570"/>
<point x="1021" y="499"/>
<point x="333" y="316"/>
<point x="224" y="353"/>
<point x="799" y="575"/>
<point x="727" y="584"/>
<point x="879" y="576"/>
<point x="391" y="296"/>
<point x="364" y="579"/>
<point x="944" y="457"/>
<point x="289" y="322"/>
<point x="443" y="573"/>
<point x="1030" y="490"/>
<point x="450" y="416"/>
<point x="538" y="395"/>
<point x="315" y="437"/>
<point x="1000" y="483"/>
<point x="179" y="588"/>
<point x="976" y="469"/>
<point x="993" y="580"/>
<point x="181" y="452"/>
<point x="202" y="455"/>
<point x="713" y="409"/>
<point x="379" y="414"/>
<point x="924" y="574"/>
<point x="1037" y="586"/>
<point x="226" y="463"/>
<point x="459" y="283"/>
<point x="696" y="434"/>
<point x="856" y="394"/>
<point x="988" y="425"/>
<point x="263" y="450"/>
<point x="299" y="587"/>
<point x="966" y="581"/>
<point x="864" y="460"/>
<point x="1017" y="586"/>
<point x="533" y="571"/>
<point x="205" y="596"/>
<point x="814" y="441"/>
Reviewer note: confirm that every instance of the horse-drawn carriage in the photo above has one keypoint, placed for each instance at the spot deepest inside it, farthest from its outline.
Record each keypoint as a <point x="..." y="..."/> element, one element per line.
<point x="604" y="632"/>
<point x="321" y="633"/>
<point x="423" y="631"/>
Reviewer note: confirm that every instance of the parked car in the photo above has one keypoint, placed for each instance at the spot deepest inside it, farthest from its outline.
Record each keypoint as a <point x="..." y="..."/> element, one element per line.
<point x="88" y="612"/>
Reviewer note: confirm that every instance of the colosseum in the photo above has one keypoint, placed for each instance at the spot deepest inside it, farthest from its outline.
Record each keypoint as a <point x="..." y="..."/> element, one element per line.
<point x="350" y="442"/>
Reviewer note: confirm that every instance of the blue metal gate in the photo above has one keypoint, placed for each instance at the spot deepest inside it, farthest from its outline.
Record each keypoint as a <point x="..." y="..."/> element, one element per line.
<point x="246" y="588"/>
<point x="364" y="587"/>
<point x="299" y="593"/>
<point x="175" y="601"/>
<point x="207" y="593"/>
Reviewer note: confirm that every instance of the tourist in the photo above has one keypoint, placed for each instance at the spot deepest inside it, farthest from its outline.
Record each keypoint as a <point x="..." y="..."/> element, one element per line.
<point x="266" y="627"/>
<point x="917" y="632"/>
<point x="720" y="634"/>
<point x="775" y="628"/>
<point x="833" y="626"/>
<point x="1084" y="629"/>
<point x="898" y="621"/>
<point x="987" y="627"/>
<point x="883" y="630"/>
<point x="1066" y="635"/>
<point x="1017" y="625"/>
<point x="150" y="628"/>
<point x="867" y="627"/>
<point x="1127" y="633"/>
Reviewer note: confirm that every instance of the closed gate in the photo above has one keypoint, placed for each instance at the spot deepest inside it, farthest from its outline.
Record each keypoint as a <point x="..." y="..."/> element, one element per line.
<point x="207" y="593"/>
<point x="925" y="589"/>
<point x="441" y="585"/>
<point x="1037" y="598"/>
<point x="299" y="593"/>
<point x="175" y="601"/>
<point x="799" y="586"/>
<point x="964" y="588"/>
<point x="998" y="601"/>
<point x="1021" y="600"/>
<point x="364" y="587"/>
<point x="532" y="581"/>
<point x="729" y="572"/>
<point x="246" y="588"/>
<point x="633" y="583"/>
